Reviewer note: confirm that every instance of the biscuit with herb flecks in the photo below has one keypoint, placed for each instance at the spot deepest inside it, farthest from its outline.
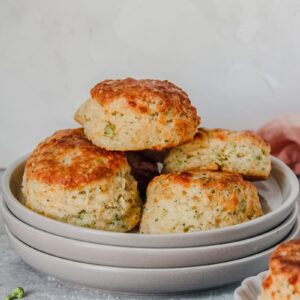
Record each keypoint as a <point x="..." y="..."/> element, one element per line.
<point x="69" y="179"/>
<point x="240" y="152"/>
<point x="197" y="201"/>
<point x="131" y="115"/>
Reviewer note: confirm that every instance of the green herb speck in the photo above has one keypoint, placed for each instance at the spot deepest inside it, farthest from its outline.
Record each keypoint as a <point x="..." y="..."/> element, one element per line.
<point x="81" y="214"/>
<point x="17" y="293"/>
<point x="110" y="130"/>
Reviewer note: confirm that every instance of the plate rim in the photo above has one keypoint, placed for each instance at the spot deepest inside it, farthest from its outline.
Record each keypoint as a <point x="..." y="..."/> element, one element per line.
<point x="81" y="231"/>
<point x="151" y="253"/>
<point x="292" y="216"/>
<point x="145" y="281"/>
<point x="295" y="230"/>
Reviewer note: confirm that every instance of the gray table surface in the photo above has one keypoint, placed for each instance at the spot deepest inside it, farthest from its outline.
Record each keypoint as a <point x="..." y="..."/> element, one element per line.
<point x="14" y="272"/>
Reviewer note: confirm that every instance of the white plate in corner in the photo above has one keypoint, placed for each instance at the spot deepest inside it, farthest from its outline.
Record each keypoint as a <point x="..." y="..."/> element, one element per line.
<point x="279" y="192"/>
<point x="250" y="288"/>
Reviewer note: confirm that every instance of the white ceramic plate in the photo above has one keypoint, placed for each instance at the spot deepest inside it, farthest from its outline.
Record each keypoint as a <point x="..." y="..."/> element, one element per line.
<point x="250" y="288"/>
<point x="129" y="257"/>
<point x="278" y="195"/>
<point x="145" y="281"/>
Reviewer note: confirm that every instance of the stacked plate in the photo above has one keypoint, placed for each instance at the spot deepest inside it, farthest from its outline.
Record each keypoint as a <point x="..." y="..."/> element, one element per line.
<point x="167" y="263"/>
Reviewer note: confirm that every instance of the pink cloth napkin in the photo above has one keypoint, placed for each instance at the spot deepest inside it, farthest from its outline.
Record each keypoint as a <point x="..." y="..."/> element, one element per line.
<point x="283" y="134"/>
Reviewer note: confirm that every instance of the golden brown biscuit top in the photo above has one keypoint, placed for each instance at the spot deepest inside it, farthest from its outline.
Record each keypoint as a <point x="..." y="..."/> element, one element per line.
<point x="223" y="187"/>
<point x="225" y="135"/>
<point x="285" y="260"/>
<point x="69" y="159"/>
<point x="205" y="179"/>
<point x="215" y="183"/>
<point x="141" y="93"/>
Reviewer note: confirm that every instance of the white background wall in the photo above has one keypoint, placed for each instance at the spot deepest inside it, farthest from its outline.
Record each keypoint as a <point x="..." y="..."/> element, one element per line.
<point x="239" y="60"/>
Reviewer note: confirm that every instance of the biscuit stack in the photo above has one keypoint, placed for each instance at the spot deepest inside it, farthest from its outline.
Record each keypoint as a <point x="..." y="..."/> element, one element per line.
<point x="94" y="176"/>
